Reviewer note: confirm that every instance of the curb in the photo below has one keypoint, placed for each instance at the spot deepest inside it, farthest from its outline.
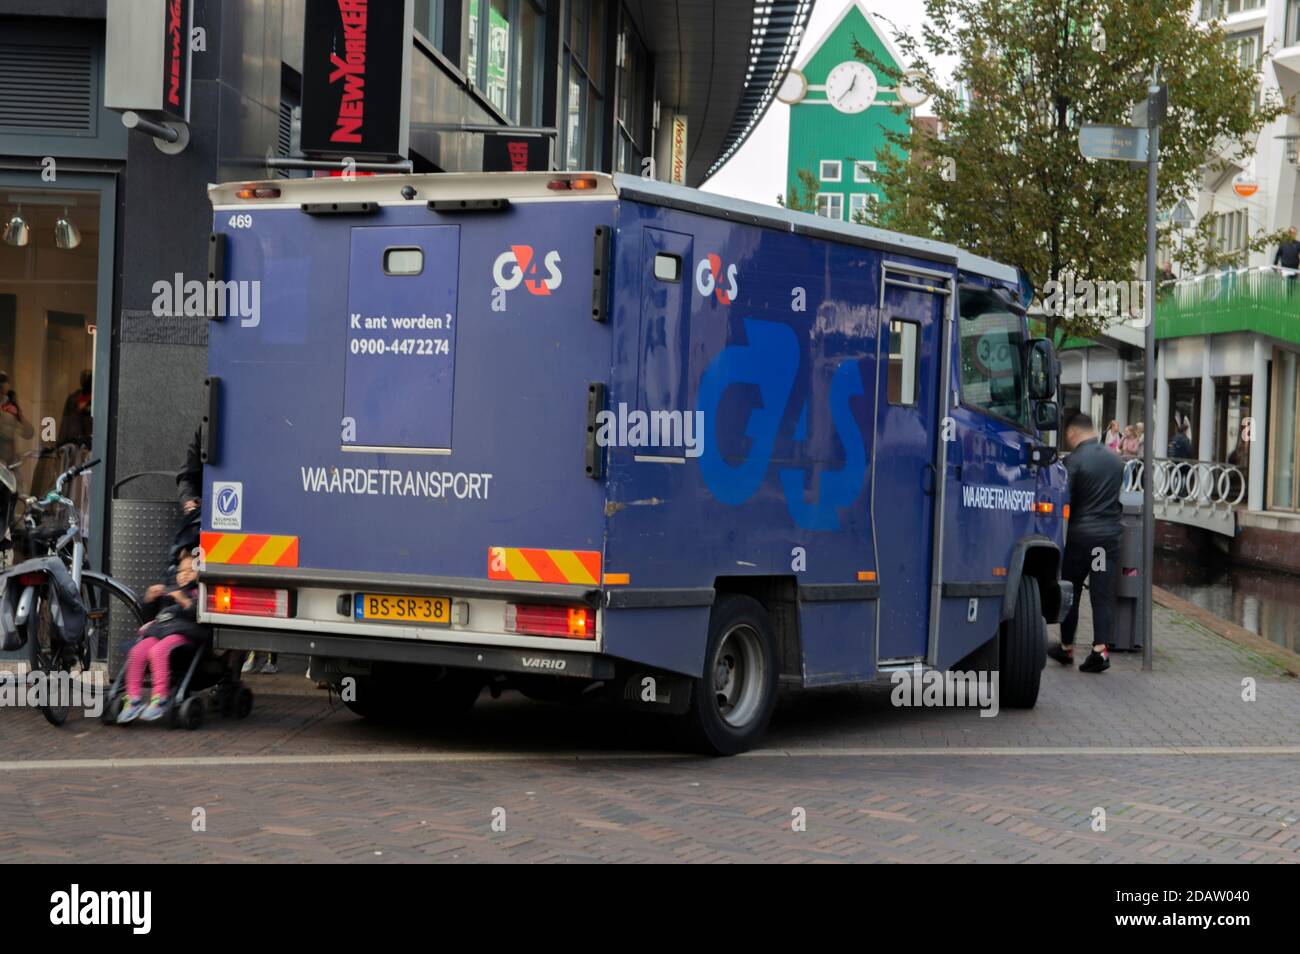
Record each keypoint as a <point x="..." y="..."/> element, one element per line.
<point x="1279" y="656"/>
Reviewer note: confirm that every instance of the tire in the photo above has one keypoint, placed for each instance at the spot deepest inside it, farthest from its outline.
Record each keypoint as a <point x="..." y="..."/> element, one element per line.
<point x="1024" y="648"/>
<point x="732" y="703"/>
<point x="46" y="654"/>
<point x="113" y="708"/>
<point x="191" y="714"/>
<point x="412" y="694"/>
<point x="242" y="705"/>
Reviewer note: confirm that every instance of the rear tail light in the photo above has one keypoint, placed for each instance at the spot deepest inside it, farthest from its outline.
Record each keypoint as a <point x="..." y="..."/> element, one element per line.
<point x="264" y="192"/>
<point x="248" y="601"/>
<point x="569" y="622"/>
<point x="577" y="184"/>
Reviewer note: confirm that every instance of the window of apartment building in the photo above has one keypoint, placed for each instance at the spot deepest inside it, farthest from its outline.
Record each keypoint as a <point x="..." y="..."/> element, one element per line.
<point x="504" y="50"/>
<point x="864" y="170"/>
<point x="1215" y="9"/>
<point x="1292" y="31"/>
<point x="830" y="205"/>
<point x="829" y="170"/>
<point x="1246" y="48"/>
<point x="633" y="100"/>
<point x="861" y="204"/>
<point x="1230" y="231"/>
<point x="583" y="84"/>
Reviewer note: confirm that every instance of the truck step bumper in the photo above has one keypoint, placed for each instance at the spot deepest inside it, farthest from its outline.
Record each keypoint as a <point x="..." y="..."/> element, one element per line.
<point x="495" y="658"/>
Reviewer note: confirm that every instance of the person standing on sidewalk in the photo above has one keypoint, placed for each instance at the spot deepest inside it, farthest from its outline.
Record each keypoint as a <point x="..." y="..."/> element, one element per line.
<point x="1092" y="542"/>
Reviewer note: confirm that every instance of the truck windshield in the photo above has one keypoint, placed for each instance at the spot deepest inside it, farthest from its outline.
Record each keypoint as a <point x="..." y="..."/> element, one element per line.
<point x="992" y="372"/>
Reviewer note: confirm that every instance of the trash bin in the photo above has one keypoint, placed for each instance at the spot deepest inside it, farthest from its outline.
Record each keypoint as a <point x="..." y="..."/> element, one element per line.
<point x="140" y="540"/>
<point x="1128" y="583"/>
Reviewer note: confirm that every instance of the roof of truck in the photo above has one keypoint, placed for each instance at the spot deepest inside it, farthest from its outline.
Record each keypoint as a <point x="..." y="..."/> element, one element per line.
<point x="535" y="187"/>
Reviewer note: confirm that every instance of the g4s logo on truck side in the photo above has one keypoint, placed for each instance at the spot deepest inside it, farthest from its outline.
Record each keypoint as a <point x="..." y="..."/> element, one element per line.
<point x="769" y="360"/>
<point x="520" y="264"/>
<point x="708" y="279"/>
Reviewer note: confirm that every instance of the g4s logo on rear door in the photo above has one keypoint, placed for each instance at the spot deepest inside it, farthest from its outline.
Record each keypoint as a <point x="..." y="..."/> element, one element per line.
<point x="708" y="279"/>
<point x="521" y="264"/>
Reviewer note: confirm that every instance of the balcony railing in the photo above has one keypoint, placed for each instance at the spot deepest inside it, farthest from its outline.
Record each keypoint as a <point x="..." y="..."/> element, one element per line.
<point x="1262" y="298"/>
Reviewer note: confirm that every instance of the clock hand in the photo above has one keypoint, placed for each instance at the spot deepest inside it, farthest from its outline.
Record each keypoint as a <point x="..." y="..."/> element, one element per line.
<point x="840" y="99"/>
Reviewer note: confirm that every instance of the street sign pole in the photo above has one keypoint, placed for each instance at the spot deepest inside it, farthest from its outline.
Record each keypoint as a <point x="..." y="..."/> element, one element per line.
<point x="1149" y="358"/>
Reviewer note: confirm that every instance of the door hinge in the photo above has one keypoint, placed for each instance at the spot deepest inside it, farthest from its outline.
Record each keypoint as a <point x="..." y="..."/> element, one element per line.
<point x="595" y="456"/>
<point x="208" y="426"/>
<point x="216" y="267"/>
<point x="600" y="275"/>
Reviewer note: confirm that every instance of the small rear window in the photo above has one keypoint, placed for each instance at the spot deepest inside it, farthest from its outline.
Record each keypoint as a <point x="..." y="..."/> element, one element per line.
<point x="668" y="268"/>
<point x="403" y="261"/>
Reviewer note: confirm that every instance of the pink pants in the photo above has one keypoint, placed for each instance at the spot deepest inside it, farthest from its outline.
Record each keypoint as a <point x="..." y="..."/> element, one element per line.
<point x="153" y="654"/>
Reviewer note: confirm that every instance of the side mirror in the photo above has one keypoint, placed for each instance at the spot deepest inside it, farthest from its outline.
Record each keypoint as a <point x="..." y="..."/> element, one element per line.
<point x="1041" y="370"/>
<point x="1047" y="416"/>
<point x="1043" y="455"/>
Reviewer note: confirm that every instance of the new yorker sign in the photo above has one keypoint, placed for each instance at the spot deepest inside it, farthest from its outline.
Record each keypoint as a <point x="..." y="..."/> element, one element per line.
<point x="356" y="63"/>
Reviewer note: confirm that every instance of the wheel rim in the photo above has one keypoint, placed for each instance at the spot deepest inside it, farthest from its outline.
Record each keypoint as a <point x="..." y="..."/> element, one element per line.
<point x="739" y="675"/>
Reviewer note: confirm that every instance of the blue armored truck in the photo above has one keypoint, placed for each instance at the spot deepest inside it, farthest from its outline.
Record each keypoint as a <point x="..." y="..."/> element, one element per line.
<point x="577" y="434"/>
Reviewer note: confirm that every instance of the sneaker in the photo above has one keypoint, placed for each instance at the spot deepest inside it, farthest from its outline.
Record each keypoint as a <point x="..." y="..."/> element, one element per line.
<point x="1096" y="662"/>
<point x="131" y="711"/>
<point x="1062" y="655"/>
<point x="249" y="662"/>
<point x="157" y="706"/>
<point x="270" y="669"/>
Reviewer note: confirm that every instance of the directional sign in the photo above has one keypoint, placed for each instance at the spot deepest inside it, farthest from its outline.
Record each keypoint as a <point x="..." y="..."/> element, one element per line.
<point x="1113" y="142"/>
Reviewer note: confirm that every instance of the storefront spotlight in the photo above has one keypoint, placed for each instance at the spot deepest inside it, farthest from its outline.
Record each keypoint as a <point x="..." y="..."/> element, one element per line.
<point x="66" y="233"/>
<point x="16" y="230"/>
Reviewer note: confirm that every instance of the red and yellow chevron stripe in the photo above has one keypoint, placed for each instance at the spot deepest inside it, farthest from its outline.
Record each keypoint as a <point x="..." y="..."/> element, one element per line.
<point x="249" y="549"/>
<point x="544" y="566"/>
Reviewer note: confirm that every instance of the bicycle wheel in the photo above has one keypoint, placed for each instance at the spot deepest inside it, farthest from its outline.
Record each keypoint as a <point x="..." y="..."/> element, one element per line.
<point x="108" y="612"/>
<point x="57" y="663"/>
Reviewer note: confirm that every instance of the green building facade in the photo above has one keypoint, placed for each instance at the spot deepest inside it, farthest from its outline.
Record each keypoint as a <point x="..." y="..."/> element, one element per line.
<point x="840" y="111"/>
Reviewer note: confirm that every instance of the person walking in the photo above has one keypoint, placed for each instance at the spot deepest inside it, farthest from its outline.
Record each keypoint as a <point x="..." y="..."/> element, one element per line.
<point x="1180" y="448"/>
<point x="1092" y="542"/>
<point x="1114" y="437"/>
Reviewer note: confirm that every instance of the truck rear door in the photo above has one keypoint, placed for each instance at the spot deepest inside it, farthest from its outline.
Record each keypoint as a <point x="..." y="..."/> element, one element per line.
<point x="412" y="397"/>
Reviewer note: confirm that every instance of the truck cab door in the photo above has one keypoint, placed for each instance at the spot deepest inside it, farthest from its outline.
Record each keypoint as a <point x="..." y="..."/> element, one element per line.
<point x="913" y="303"/>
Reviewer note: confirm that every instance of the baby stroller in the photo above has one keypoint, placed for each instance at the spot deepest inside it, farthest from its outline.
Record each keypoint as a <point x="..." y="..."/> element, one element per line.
<point x="199" y="673"/>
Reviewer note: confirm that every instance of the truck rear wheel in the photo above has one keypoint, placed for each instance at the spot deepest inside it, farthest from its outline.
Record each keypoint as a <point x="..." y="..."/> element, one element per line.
<point x="1024" y="648"/>
<point x="732" y="702"/>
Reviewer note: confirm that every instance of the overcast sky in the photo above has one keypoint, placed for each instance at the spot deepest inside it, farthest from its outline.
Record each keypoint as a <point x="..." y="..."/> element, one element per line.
<point x="752" y="172"/>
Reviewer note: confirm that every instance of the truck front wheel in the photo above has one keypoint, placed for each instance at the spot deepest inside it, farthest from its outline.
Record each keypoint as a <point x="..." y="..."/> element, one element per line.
<point x="732" y="702"/>
<point x="1024" y="648"/>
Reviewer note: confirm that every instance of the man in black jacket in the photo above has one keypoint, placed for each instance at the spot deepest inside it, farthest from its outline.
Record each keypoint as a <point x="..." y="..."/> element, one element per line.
<point x="1288" y="251"/>
<point x="1096" y="475"/>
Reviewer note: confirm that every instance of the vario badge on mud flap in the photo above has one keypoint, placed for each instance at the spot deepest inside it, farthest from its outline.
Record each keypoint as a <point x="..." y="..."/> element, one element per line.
<point x="227" y="505"/>
<point x="521" y="264"/>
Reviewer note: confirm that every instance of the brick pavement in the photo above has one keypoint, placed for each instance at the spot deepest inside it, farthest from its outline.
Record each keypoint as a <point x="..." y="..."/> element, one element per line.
<point x="630" y="797"/>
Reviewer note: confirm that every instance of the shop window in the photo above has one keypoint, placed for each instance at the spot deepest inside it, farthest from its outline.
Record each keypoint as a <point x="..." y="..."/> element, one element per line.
<point x="584" y="102"/>
<point x="49" y="260"/>
<point x="504" y="55"/>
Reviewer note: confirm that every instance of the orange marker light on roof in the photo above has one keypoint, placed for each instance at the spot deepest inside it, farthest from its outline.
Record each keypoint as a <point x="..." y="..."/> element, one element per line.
<point x="265" y="192"/>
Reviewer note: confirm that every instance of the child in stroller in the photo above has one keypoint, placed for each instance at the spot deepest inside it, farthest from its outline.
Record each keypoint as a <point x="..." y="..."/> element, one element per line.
<point x="171" y="610"/>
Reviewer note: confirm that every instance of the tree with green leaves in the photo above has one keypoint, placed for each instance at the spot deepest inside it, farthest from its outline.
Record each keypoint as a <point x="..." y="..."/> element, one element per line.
<point x="1005" y="177"/>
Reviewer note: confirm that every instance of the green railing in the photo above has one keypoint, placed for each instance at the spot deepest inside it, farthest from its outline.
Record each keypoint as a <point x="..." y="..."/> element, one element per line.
<point x="1263" y="299"/>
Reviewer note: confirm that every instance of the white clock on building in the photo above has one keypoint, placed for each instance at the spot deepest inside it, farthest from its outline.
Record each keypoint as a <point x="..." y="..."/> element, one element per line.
<point x="851" y="87"/>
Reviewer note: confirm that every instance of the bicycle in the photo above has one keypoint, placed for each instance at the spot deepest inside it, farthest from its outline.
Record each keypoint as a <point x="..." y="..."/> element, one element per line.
<point x="54" y="523"/>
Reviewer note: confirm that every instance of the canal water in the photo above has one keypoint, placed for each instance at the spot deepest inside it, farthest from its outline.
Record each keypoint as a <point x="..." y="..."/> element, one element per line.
<point x="1263" y="601"/>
